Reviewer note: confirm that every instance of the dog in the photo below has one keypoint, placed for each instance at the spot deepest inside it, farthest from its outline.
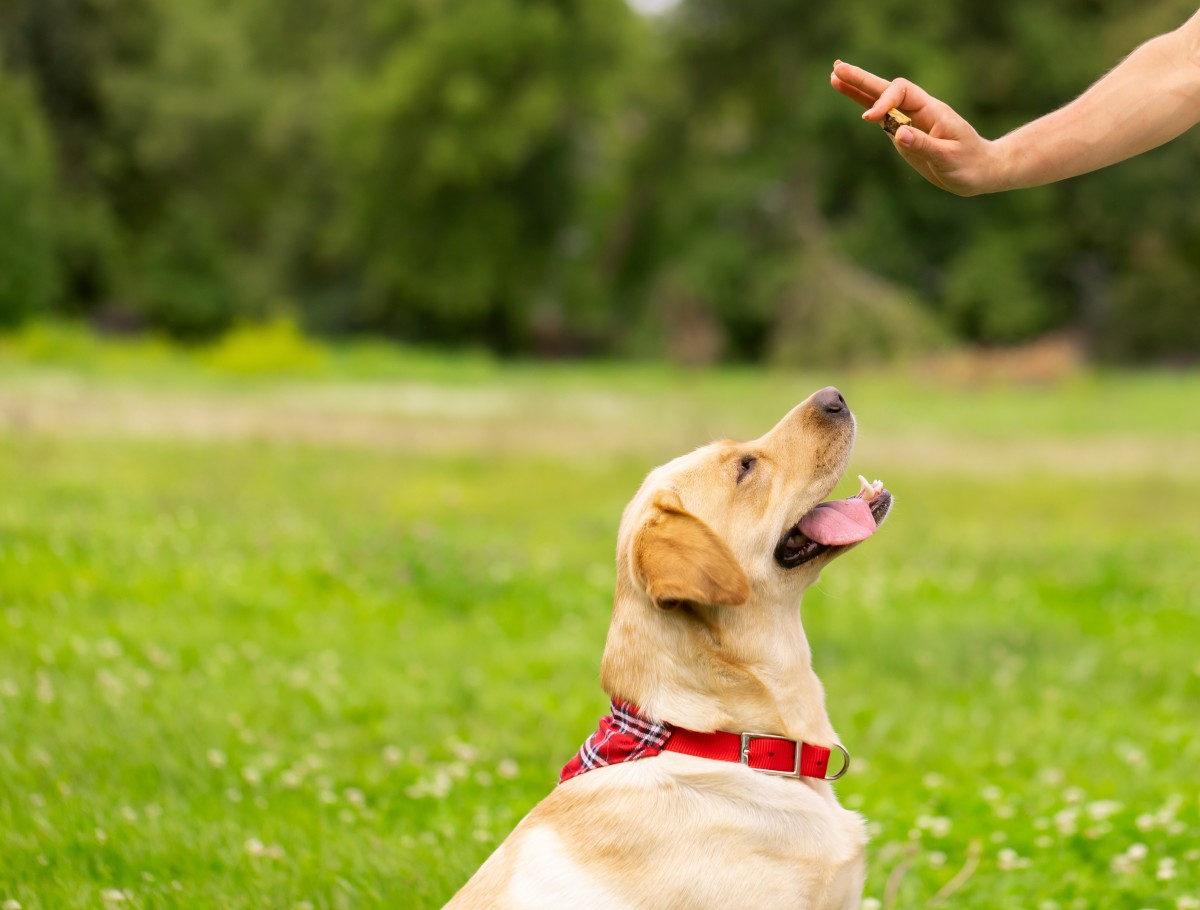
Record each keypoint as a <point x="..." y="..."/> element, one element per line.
<point x="708" y="785"/>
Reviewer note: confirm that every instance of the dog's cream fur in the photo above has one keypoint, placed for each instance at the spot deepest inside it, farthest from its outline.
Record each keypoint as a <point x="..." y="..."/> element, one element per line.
<point x="705" y="635"/>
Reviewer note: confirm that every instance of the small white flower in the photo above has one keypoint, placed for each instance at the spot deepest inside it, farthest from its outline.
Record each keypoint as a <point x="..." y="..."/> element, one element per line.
<point x="937" y="825"/>
<point x="508" y="769"/>
<point x="1103" y="808"/>
<point x="1128" y="861"/>
<point x="216" y="758"/>
<point x="1065" y="821"/>
<point x="1008" y="860"/>
<point x="43" y="688"/>
<point x="1051" y="776"/>
<point x="11" y="905"/>
<point x="1098" y="830"/>
<point x="464" y="751"/>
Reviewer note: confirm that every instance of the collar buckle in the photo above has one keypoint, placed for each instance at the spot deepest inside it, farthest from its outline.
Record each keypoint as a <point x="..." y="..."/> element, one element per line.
<point x="798" y="748"/>
<point x="744" y="754"/>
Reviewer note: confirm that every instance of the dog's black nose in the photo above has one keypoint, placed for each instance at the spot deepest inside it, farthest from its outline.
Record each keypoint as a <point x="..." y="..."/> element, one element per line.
<point x="830" y="401"/>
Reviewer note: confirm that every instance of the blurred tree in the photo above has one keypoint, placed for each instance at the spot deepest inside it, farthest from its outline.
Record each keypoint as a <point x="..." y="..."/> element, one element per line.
<point x="67" y="50"/>
<point x="28" y="271"/>
<point x="564" y="176"/>
<point x="462" y="158"/>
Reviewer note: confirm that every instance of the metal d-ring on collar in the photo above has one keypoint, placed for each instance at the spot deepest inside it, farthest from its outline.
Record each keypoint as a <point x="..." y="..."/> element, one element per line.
<point x="845" y="762"/>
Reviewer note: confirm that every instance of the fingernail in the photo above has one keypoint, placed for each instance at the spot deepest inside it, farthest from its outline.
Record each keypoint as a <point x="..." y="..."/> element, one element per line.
<point x="836" y="62"/>
<point x="904" y="136"/>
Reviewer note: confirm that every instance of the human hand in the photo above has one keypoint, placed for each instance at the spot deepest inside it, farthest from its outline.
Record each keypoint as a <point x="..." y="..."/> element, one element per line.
<point x="939" y="145"/>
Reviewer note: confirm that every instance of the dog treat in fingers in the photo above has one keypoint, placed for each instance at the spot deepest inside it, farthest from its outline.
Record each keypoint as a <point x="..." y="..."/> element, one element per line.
<point x="893" y="120"/>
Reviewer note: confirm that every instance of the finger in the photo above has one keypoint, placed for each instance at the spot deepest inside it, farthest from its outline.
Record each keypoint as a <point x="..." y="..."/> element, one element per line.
<point x="859" y="78"/>
<point x="854" y="94"/>
<point x="900" y="93"/>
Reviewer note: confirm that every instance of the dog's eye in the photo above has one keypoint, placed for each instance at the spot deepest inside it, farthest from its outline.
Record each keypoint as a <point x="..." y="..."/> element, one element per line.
<point x="746" y="464"/>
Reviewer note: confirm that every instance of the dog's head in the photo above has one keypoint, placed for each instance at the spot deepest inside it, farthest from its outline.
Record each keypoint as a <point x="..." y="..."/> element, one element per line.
<point x="734" y="527"/>
<point x="736" y="518"/>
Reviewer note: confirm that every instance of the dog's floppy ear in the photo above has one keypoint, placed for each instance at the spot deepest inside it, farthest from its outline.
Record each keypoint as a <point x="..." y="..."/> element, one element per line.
<point x="680" y="559"/>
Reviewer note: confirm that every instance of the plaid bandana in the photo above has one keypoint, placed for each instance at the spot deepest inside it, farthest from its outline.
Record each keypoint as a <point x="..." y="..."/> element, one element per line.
<point x="624" y="735"/>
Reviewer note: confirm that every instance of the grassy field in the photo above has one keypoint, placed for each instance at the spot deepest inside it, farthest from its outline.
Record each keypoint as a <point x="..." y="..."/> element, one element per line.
<point x="317" y="634"/>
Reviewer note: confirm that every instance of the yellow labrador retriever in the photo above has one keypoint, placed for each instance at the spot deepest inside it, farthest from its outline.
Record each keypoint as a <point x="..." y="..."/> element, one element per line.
<point x="708" y="784"/>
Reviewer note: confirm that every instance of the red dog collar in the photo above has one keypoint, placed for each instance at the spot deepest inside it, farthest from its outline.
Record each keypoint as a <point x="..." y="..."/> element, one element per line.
<point x="626" y="736"/>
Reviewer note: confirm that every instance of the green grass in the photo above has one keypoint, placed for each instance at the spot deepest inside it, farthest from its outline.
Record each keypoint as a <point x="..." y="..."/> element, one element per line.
<point x="320" y="637"/>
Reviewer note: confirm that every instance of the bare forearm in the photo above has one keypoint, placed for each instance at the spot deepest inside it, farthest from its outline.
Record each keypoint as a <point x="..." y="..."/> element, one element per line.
<point x="1149" y="98"/>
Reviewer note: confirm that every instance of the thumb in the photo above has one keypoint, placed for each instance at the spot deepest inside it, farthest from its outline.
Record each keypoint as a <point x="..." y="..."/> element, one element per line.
<point x="909" y="138"/>
<point x="916" y="146"/>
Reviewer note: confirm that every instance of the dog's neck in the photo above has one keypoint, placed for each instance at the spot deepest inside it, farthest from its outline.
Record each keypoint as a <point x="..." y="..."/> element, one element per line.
<point x="713" y="668"/>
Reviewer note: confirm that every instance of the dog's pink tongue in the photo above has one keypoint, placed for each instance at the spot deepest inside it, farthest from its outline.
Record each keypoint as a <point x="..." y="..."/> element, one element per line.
<point x="839" y="522"/>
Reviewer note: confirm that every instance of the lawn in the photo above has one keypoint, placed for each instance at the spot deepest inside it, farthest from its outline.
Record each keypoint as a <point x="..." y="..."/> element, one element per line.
<point x="318" y="635"/>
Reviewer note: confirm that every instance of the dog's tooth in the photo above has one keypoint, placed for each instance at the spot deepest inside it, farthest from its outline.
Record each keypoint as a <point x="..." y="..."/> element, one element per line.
<point x="868" y="490"/>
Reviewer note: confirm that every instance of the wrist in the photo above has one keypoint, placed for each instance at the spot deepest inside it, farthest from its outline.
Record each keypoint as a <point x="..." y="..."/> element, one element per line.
<point x="1002" y="170"/>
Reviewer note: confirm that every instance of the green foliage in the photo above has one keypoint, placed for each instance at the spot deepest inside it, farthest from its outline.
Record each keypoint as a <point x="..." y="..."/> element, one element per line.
<point x="990" y="294"/>
<point x="462" y="155"/>
<point x="182" y="280"/>
<point x="267" y="662"/>
<point x="570" y="177"/>
<point x="28" y="275"/>
<point x="273" y="347"/>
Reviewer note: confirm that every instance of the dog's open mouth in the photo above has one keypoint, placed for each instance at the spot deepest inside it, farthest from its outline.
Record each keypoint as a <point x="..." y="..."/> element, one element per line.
<point x="833" y="524"/>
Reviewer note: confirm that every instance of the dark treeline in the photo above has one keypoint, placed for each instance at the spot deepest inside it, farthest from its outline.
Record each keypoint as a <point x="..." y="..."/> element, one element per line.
<point x="566" y="177"/>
